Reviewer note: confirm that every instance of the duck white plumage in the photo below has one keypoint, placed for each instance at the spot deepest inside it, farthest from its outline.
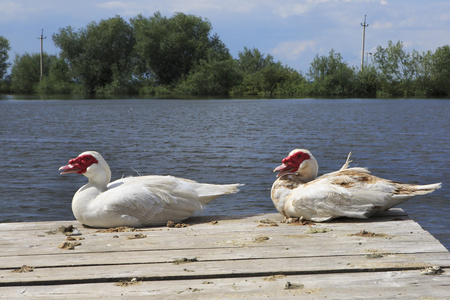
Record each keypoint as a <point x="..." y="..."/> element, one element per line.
<point x="349" y="192"/>
<point x="136" y="201"/>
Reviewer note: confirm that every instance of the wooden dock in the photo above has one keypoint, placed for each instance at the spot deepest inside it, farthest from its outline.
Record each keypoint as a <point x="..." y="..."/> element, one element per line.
<point x="256" y="257"/>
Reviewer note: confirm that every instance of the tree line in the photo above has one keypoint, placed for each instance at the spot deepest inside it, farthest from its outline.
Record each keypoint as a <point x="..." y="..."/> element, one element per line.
<point x="179" y="56"/>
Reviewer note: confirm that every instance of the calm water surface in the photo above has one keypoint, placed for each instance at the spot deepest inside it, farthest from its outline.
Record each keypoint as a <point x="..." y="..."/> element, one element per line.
<point x="220" y="141"/>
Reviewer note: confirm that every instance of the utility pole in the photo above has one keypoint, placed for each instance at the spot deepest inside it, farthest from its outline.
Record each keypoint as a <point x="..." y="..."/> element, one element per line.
<point x="42" y="38"/>
<point x="364" y="25"/>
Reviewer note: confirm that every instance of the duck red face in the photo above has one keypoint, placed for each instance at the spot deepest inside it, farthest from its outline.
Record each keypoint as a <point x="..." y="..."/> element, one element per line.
<point x="291" y="163"/>
<point x="79" y="165"/>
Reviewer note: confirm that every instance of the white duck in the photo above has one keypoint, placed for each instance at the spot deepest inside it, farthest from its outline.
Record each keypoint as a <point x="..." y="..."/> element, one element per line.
<point x="349" y="192"/>
<point x="135" y="201"/>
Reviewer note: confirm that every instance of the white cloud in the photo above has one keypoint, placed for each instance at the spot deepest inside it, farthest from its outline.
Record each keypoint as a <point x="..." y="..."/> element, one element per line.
<point x="114" y="5"/>
<point x="124" y="8"/>
<point x="292" y="50"/>
<point x="444" y="16"/>
<point x="215" y="5"/>
<point x="11" y="11"/>
<point x="285" y="11"/>
<point x="148" y="7"/>
<point x="384" y="25"/>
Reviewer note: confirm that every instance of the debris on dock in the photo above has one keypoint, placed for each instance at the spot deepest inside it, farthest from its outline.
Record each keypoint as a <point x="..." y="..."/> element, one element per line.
<point x="226" y="257"/>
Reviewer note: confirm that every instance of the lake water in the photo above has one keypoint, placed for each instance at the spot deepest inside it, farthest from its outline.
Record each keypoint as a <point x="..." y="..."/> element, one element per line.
<point x="220" y="141"/>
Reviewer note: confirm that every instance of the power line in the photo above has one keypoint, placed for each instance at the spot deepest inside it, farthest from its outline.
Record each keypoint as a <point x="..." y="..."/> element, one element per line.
<point x="364" y="25"/>
<point x="42" y="38"/>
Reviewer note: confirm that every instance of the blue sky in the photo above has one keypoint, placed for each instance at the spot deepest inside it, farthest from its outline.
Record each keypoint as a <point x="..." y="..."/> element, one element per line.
<point x="293" y="32"/>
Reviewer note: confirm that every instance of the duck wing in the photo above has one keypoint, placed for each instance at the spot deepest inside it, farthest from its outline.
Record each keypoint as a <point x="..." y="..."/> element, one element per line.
<point x="350" y="193"/>
<point x="154" y="200"/>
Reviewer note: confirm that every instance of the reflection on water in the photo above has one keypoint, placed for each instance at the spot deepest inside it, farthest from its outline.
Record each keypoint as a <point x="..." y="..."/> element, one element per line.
<point x="220" y="141"/>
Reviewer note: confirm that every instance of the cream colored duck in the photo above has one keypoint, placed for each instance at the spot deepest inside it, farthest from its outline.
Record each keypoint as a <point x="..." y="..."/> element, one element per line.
<point x="135" y="201"/>
<point x="349" y="192"/>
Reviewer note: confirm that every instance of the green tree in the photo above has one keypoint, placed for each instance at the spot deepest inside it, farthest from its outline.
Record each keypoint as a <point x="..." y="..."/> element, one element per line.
<point x="397" y="68"/>
<point x="252" y="60"/>
<point x="58" y="80"/>
<point x="262" y="76"/>
<point x="99" y="54"/>
<point x="331" y="76"/>
<point x="366" y="83"/>
<point x="169" y="48"/>
<point x="4" y="49"/>
<point x="422" y="85"/>
<point x="440" y="71"/>
<point x="394" y="62"/>
<point x="273" y="77"/>
<point x="211" y="77"/>
<point x="293" y="84"/>
<point x="25" y="72"/>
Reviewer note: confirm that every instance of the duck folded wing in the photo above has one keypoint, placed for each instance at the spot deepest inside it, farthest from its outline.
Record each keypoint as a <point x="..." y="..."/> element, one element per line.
<point x="349" y="192"/>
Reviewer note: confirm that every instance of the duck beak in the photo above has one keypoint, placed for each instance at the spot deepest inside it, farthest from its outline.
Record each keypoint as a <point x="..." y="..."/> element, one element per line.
<point x="283" y="170"/>
<point x="68" y="169"/>
<point x="280" y="168"/>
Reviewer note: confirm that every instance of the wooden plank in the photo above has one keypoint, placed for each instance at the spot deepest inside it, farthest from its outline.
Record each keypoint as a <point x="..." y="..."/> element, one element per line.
<point x="395" y="236"/>
<point x="166" y="256"/>
<point x="246" y="248"/>
<point x="373" y="285"/>
<point x="225" y="268"/>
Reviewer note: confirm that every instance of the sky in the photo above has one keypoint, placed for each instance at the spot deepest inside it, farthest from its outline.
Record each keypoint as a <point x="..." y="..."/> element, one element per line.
<point x="292" y="31"/>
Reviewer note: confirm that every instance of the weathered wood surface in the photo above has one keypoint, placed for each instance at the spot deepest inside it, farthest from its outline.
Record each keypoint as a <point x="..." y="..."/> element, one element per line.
<point x="237" y="257"/>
